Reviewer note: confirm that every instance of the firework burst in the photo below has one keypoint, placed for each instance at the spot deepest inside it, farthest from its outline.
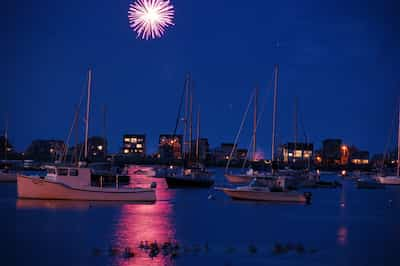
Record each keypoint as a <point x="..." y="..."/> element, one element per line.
<point x="150" y="18"/>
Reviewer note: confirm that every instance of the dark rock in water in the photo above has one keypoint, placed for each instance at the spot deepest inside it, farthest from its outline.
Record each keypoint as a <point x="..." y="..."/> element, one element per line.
<point x="252" y="249"/>
<point x="174" y="254"/>
<point x="112" y="251"/>
<point x="279" y="249"/>
<point x="96" y="252"/>
<point x="128" y="253"/>
<point x="299" y="248"/>
<point x="230" y="250"/>
<point x="206" y="247"/>
<point x="313" y="250"/>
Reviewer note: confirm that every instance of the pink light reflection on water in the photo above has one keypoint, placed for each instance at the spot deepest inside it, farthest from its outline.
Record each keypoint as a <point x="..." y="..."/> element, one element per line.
<point x="141" y="222"/>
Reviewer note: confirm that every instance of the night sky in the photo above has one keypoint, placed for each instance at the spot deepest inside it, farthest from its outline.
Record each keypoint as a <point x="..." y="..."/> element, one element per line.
<point x="340" y="58"/>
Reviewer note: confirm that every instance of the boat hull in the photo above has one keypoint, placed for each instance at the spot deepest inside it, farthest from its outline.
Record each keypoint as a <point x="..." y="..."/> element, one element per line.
<point x="8" y="177"/>
<point x="183" y="182"/>
<point x="369" y="184"/>
<point x="265" y="196"/>
<point x="36" y="188"/>
<point x="238" y="179"/>
<point x="388" y="180"/>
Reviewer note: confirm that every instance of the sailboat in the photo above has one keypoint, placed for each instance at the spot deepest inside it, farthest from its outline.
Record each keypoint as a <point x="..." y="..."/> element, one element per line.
<point x="193" y="173"/>
<point x="272" y="187"/>
<point x="6" y="175"/>
<point x="250" y="174"/>
<point x="73" y="182"/>
<point x="395" y="179"/>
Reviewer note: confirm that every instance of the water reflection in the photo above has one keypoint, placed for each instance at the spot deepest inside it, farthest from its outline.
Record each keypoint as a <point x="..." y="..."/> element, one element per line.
<point x="342" y="235"/>
<point x="145" y="223"/>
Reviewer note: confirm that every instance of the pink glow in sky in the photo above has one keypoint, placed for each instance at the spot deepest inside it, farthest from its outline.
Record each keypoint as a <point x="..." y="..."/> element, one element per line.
<point x="150" y="18"/>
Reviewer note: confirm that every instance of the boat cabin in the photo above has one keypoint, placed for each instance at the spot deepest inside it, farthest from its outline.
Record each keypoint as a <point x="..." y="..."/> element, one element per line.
<point x="69" y="175"/>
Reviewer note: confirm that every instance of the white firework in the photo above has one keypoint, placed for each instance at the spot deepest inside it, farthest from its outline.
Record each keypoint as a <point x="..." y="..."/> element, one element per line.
<point x="150" y="18"/>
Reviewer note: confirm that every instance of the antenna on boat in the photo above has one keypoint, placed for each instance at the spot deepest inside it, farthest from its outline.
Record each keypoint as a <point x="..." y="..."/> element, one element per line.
<point x="87" y="113"/>
<point x="274" y="113"/>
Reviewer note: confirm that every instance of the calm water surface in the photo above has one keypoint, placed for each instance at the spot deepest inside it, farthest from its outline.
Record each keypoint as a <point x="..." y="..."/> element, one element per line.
<point x="341" y="227"/>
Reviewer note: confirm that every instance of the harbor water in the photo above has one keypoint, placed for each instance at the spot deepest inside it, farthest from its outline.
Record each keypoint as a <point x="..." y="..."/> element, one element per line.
<point x="344" y="226"/>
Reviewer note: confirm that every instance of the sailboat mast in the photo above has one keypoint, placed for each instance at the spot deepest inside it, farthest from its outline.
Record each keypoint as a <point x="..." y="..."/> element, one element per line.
<point x="198" y="134"/>
<point x="190" y="119"/>
<point x="185" y="120"/>
<point x="255" y="124"/>
<point x="87" y="113"/>
<point x="398" y="145"/>
<point x="295" y="128"/>
<point x="274" y="113"/>
<point x="6" y="138"/>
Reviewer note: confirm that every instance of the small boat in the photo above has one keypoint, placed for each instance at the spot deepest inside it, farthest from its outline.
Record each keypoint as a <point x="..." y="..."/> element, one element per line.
<point x="190" y="177"/>
<point x="74" y="183"/>
<point x="388" y="180"/>
<point x="244" y="178"/>
<point x="258" y="191"/>
<point x="7" y="176"/>
<point x="364" y="183"/>
<point x="392" y="179"/>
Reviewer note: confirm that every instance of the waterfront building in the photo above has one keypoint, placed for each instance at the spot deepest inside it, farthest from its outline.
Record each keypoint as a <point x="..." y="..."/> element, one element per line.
<point x="296" y="152"/>
<point x="97" y="148"/>
<point x="134" y="145"/>
<point x="170" y="147"/>
<point x="45" y="150"/>
<point x="331" y="151"/>
<point x="360" y="158"/>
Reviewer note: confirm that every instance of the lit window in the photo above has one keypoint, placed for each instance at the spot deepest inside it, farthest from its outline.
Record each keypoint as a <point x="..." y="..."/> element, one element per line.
<point x="100" y="147"/>
<point x="133" y="140"/>
<point x="290" y="154"/>
<point x="127" y="139"/>
<point x="139" y="145"/>
<point x="297" y="153"/>
<point x="126" y="151"/>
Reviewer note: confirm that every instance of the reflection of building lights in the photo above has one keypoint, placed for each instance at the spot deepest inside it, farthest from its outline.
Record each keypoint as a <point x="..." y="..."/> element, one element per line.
<point x="342" y="235"/>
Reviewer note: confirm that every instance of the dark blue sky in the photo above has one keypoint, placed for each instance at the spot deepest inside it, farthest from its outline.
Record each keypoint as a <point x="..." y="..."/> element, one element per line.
<point x="341" y="58"/>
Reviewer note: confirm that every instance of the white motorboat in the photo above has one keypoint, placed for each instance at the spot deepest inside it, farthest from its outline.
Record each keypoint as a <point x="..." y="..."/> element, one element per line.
<point x="257" y="191"/>
<point x="74" y="183"/>
<point x="7" y="176"/>
<point x="388" y="180"/>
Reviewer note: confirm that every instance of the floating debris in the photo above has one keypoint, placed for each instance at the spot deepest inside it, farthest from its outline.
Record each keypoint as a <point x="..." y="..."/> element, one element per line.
<point x="299" y="248"/>
<point x="252" y="249"/>
<point x="96" y="252"/>
<point x="230" y="250"/>
<point x="128" y="253"/>
<point x="112" y="251"/>
<point x="279" y="248"/>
